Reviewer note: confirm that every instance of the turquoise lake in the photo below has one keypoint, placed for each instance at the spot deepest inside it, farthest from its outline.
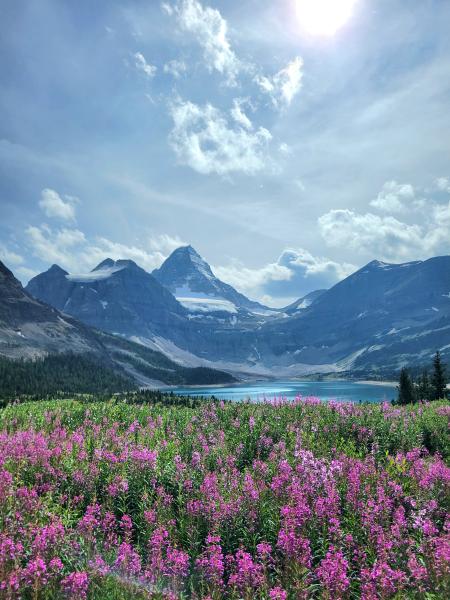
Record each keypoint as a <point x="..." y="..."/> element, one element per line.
<point x="343" y="391"/>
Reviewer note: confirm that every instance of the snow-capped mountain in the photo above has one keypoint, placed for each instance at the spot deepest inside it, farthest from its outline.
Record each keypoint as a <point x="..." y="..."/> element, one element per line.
<point x="190" y="279"/>
<point x="116" y="296"/>
<point x="30" y="329"/>
<point x="382" y="316"/>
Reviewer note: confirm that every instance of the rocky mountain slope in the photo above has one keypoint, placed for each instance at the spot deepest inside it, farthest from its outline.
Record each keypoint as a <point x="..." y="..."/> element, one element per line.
<point x="30" y="329"/>
<point x="382" y="316"/>
<point x="190" y="279"/>
<point x="303" y="303"/>
<point x="116" y="296"/>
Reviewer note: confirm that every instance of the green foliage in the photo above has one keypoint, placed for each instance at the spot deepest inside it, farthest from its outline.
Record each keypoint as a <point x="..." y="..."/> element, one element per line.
<point x="421" y="389"/>
<point x="66" y="373"/>
<point x="439" y="378"/>
<point x="91" y="442"/>
<point x="406" y="392"/>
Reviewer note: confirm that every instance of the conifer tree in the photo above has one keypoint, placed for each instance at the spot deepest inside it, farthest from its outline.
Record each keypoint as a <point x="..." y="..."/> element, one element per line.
<point x="424" y="390"/>
<point x="439" y="381"/>
<point x="406" y="392"/>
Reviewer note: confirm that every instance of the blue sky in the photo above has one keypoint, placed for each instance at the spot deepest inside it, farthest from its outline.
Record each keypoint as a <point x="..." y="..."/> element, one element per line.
<point x="287" y="159"/>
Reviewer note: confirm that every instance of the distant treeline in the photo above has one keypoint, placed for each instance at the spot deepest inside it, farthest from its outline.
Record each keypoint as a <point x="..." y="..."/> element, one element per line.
<point x="60" y="373"/>
<point x="426" y="386"/>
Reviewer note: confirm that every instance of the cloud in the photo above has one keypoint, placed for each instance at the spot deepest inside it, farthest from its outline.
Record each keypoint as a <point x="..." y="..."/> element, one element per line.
<point x="210" y="29"/>
<point x="176" y="68"/>
<point x="284" y="85"/>
<point x="54" y="206"/>
<point x="239" y="115"/>
<point x="295" y="273"/>
<point x="443" y="184"/>
<point x="9" y="257"/>
<point x="394" y="197"/>
<point x="204" y="139"/>
<point x="142" y="65"/>
<point x="73" y="251"/>
<point x="386" y="237"/>
<point x="424" y="232"/>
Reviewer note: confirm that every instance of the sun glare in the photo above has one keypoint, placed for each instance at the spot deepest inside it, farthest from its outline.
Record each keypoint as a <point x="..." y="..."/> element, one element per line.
<point x="324" y="17"/>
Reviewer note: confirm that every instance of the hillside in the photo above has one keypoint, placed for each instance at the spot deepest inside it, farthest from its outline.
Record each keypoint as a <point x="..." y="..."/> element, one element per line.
<point x="32" y="330"/>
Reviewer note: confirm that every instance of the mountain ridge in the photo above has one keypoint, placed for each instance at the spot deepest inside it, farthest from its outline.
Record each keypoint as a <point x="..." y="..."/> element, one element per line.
<point x="31" y="329"/>
<point x="384" y="314"/>
<point x="188" y="276"/>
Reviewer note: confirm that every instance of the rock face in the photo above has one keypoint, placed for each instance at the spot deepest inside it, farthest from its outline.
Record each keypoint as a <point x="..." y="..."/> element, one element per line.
<point x="190" y="279"/>
<point x="116" y="296"/>
<point x="303" y="303"/>
<point x="382" y="316"/>
<point x="29" y="328"/>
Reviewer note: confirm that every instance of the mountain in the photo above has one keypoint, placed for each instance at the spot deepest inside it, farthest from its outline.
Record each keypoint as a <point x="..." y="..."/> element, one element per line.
<point x="304" y="302"/>
<point x="31" y="329"/>
<point x="190" y="279"/>
<point x="116" y="296"/>
<point x="384" y="315"/>
<point x="381" y="317"/>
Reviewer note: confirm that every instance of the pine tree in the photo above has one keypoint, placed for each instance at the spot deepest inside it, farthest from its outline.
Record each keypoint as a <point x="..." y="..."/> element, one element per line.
<point x="424" y="390"/>
<point x="406" y="392"/>
<point x="439" y="381"/>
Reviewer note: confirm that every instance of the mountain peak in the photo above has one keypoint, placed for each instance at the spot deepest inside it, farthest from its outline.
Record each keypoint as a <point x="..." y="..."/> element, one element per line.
<point x="105" y="264"/>
<point x="56" y="269"/>
<point x="185" y="261"/>
<point x="5" y="273"/>
<point x="109" y="263"/>
<point x="188" y="251"/>
<point x="190" y="278"/>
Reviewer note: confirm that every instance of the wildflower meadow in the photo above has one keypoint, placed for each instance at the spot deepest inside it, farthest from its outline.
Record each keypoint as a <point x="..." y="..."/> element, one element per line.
<point x="276" y="501"/>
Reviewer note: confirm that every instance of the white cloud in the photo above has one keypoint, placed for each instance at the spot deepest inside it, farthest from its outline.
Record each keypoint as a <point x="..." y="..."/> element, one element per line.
<point x="210" y="29"/>
<point x="176" y="68"/>
<point x="73" y="251"/>
<point x="443" y="184"/>
<point x="239" y="115"/>
<point x="292" y="276"/>
<point x="249" y="281"/>
<point x="142" y="65"/>
<point x="285" y="149"/>
<point x="25" y="274"/>
<point x="285" y="84"/>
<point x="167" y="8"/>
<point x="9" y="257"/>
<point x="54" y="206"/>
<point x="423" y="232"/>
<point x="205" y="140"/>
<point x="394" y="197"/>
<point x="386" y="237"/>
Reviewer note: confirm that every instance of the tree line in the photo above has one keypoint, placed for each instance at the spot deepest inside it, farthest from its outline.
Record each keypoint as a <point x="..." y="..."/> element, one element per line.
<point x="60" y="373"/>
<point x="424" y="388"/>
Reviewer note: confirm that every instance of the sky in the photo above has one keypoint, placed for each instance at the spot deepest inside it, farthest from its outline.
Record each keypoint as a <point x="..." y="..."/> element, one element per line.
<point x="289" y="146"/>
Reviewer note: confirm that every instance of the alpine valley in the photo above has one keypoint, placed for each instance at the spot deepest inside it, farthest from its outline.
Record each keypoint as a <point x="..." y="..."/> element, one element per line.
<point x="379" y="318"/>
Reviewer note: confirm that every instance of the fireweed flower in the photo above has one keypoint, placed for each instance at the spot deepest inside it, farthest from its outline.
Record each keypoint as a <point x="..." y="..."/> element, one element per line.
<point x="75" y="585"/>
<point x="276" y="485"/>
<point x="332" y="573"/>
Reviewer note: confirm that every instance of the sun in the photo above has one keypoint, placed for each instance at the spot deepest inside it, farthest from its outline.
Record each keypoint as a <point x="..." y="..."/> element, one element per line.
<point x="324" y="17"/>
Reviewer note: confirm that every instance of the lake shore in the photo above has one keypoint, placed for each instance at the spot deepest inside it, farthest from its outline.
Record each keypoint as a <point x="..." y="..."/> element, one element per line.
<point x="372" y="382"/>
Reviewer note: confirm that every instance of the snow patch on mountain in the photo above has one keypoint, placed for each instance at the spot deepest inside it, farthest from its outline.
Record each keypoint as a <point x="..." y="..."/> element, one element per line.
<point x="94" y="275"/>
<point x="207" y="304"/>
